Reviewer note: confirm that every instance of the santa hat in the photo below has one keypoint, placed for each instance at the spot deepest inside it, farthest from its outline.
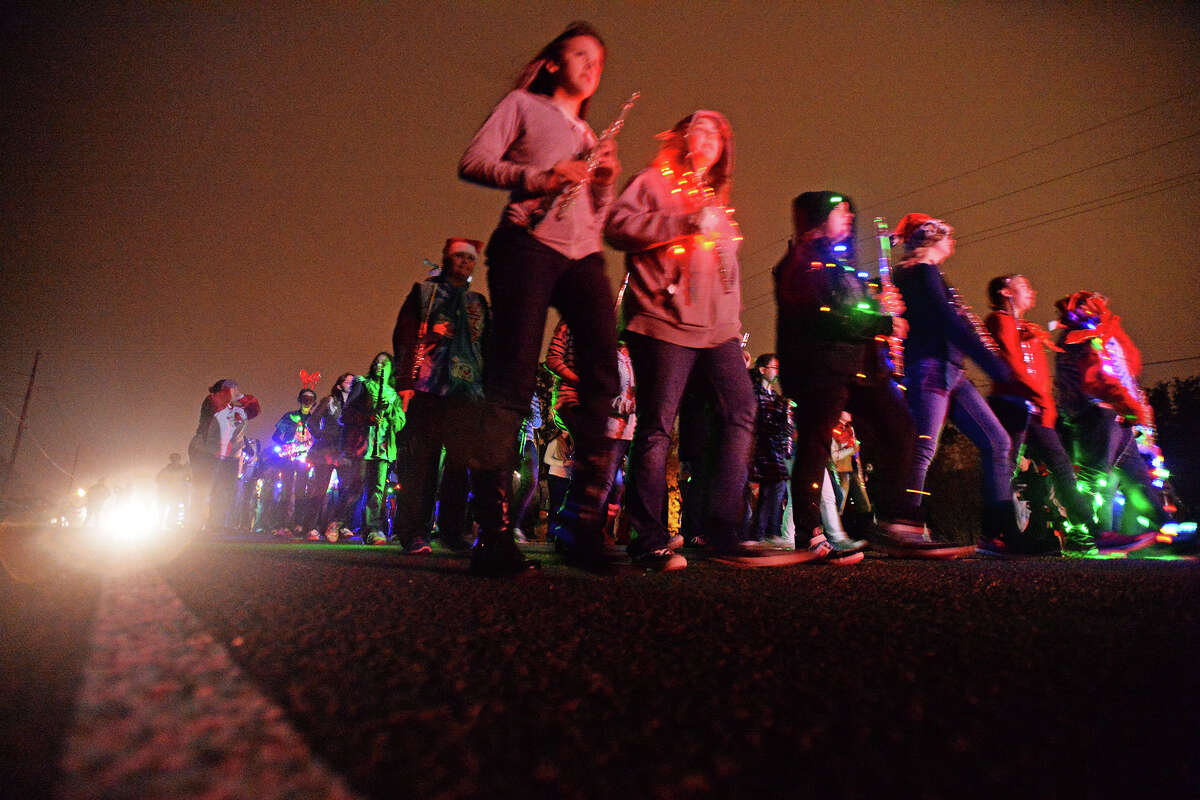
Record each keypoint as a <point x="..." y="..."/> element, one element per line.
<point x="1081" y="307"/>
<point x="459" y="245"/>
<point x="919" y="230"/>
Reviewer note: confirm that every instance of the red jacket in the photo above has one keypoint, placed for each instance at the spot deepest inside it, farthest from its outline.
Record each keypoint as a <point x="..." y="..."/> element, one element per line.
<point x="1022" y="345"/>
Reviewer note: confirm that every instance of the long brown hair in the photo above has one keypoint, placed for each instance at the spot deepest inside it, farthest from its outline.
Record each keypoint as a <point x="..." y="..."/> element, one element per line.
<point x="675" y="151"/>
<point x="536" y="78"/>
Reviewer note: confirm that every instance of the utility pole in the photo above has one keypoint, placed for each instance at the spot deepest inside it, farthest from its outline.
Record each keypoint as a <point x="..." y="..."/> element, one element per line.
<point x="12" y="460"/>
<point x="74" y="468"/>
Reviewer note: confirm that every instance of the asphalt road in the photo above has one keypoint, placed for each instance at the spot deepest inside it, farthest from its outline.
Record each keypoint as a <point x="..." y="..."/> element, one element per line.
<point x="237" y="670"/>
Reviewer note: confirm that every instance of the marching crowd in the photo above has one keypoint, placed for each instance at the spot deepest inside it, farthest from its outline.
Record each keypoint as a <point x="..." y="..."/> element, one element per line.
<point x="451" y="430"/>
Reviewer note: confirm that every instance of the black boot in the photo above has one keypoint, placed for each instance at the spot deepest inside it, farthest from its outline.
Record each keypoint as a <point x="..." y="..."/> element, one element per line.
<point x="495" y="553"/>
<point x="1002" y="535"/>
<point x="579" y="534"/>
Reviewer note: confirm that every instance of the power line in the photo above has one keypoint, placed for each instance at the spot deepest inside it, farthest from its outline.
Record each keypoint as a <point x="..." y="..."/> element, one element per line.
<point x="1083" y="211"/>
<point x="1070" y="174"/>
<point x="35" y="441"/>
<point x="1055" y="215"/>
<point x="1035" y="148"/>
<point x="749" y="306"/>
<point x="1170" y="361"/>
<point x="1084" y="203"/>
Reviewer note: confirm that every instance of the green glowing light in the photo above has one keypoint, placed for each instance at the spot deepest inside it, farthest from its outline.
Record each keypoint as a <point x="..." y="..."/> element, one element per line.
<point x="865" y="306"/>
<point x="837" y="198"/>
<point x="1143" y="521"/>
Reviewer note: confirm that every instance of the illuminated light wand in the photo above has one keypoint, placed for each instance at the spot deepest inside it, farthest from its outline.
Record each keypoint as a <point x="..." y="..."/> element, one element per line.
<point x="895" y="343"/>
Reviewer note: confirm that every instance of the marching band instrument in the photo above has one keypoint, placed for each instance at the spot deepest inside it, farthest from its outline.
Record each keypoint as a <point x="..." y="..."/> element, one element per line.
<point x="895" y="343"/>
<point x="593" y="158"/>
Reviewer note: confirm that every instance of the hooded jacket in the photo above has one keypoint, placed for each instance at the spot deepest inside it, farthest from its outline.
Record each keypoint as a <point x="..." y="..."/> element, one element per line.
<point x="677" y="292"/>
<point x="373" y="416"/>
<point x="1099" y="365"/>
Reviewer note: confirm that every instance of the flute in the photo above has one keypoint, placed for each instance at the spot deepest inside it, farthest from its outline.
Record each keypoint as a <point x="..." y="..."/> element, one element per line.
<point x="593" y="157"/>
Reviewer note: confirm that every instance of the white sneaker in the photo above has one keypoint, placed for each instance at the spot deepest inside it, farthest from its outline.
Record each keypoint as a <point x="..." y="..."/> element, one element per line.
<point x="825" y="552"/>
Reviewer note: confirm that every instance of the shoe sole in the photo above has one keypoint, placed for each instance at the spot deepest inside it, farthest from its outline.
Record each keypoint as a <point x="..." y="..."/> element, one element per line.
<point x="1140" y="543"/>
<point x="948" y="553"/>
<point x="855" y="557"/>
<point x="670" y="566"/>
<point x="781" y="559"/>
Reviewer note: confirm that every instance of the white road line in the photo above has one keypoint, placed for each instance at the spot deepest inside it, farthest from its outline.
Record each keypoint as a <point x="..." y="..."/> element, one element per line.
<point x="165" y="713"/>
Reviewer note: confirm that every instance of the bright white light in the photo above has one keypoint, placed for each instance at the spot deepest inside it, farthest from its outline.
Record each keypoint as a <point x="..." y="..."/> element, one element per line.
<point x="131" y="520"/>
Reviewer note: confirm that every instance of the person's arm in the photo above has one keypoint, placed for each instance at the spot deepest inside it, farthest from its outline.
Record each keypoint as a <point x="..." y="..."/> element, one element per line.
<point x="249" y="404"/>
<point x="486" y="161"/>
<point x="405" y="338"/>
<point x="283" y="430"/>
<point x="956" y="329"/>
<point x="1100" y="383"/>
<point x="639" y="219"/>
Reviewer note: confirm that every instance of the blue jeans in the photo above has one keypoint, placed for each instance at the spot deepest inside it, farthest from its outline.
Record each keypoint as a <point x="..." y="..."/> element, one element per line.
<point x="662" y="370"/>
<point x="937" y="389"/>
<point x="768" y="515"/>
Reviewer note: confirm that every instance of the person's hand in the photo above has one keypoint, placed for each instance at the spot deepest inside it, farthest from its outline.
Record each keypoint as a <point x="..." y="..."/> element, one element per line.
<point x="607" y="165"/>
<point x="406" y="396"/>
<point x="708" y="219"/>
<point x="440" y="329"/>
<point x="565" y="173"/>
<point x="891" y="302"/>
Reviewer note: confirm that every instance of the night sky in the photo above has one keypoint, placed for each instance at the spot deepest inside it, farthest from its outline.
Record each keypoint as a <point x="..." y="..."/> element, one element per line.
<point x="201" y="191"/>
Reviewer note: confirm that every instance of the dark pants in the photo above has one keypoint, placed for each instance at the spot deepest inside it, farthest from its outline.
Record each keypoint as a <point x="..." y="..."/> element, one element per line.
<point x="527" y="485"/>
<point x="374" y="480"/>
<point x="768" y="512"/>
<point x="426" y="433"/>
<point x="1106" y="453"/>
<point x="350" y="493"/>
<point x="323" y="504"/>
<point x="224" y="491"/>
<point x="661" y="371"/>
<point x="526" y="278"/>
<point x="558" y="493"/>
<point x="823" y="379"/>
<point x="1043" y="446"/>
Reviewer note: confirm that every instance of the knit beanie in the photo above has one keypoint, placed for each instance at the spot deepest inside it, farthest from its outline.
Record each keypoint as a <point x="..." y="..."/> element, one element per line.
<point x="811" y="209"/>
